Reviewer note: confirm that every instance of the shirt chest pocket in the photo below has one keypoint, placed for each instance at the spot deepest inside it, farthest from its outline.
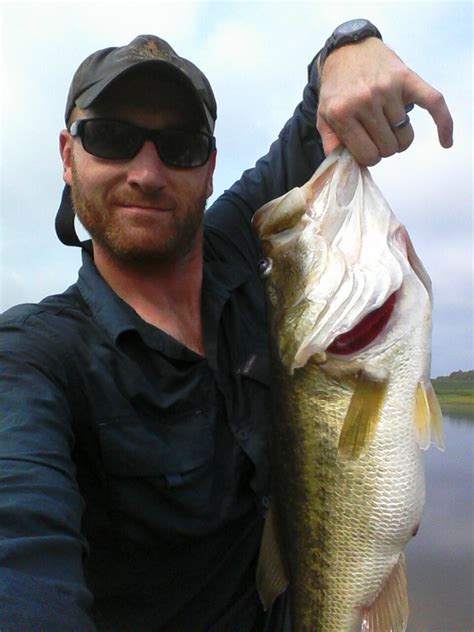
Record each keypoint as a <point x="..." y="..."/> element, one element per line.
<point x="158" y="471"/>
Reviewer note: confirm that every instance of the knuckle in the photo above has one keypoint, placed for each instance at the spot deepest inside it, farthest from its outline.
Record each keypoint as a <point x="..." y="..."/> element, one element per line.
<point x="365" y="94"/>
<point x="337" y="110"/>
<point x="364" y="98"/>
<point x="435" y="99"/>
<point x="382" y="89"/>
<point x="344" y="104"/>
<point x="404" y="74"/>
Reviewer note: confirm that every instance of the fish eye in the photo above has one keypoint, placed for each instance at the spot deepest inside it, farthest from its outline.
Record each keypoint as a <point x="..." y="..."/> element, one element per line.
<point x="264" y="267"/>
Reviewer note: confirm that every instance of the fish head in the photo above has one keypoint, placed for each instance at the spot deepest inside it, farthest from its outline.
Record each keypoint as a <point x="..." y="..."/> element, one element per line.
<point x="342" y="276"/>
<point x="293" y="259"/>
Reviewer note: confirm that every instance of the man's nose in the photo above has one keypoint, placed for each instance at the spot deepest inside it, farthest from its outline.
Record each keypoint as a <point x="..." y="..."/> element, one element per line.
<point x="146" y="169"/>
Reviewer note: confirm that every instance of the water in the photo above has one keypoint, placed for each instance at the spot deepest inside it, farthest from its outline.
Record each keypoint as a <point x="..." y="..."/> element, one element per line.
<point x="440" y="558"/>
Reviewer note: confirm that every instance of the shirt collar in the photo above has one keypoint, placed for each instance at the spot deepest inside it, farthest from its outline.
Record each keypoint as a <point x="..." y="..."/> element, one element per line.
<point x="113" y="314"/>
<point x="117" y="318"/>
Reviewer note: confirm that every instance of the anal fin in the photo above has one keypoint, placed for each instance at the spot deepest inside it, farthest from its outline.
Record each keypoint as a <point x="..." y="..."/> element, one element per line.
<point x="271" y="576"/>
<point x="389" y="611"/>
<point x="362" y="416"/>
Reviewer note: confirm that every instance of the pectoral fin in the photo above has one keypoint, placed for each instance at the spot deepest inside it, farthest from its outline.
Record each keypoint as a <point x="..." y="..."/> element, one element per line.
<point x="362" y="416"/>
<point x="428" y="417"/>
<point x="389" y="611"/>
<point x="271" y="576"/>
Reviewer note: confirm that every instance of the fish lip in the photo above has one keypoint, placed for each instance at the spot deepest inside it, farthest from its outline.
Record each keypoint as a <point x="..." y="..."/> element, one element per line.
<point x="364" y="332"/>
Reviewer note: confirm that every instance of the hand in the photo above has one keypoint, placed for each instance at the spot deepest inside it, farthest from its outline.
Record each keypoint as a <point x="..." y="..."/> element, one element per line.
<point x="364" y="88"/>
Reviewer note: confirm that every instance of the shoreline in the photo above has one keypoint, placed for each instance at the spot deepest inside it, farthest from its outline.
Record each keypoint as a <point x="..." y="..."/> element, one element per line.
<point x="455" y="393"/>
<point x="458" y="406"/>
<point x="458" y="410"/>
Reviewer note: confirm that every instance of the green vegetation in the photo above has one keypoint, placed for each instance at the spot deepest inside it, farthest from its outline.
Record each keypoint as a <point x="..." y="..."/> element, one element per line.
<point x="456" y="392"/>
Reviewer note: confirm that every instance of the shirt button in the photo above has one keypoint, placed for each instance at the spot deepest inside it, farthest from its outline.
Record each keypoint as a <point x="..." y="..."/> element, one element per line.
<point x="243" y="435"/>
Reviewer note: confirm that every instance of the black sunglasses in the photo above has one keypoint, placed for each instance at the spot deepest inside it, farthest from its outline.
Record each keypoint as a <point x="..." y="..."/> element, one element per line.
<point x="118" y="140"/>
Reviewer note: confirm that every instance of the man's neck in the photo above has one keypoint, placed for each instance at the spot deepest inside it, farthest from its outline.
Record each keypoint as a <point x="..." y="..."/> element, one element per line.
<point x="166" y="295"/>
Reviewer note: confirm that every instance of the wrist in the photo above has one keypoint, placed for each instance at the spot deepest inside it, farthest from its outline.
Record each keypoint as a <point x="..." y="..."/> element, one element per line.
<point x="349" y="32"/>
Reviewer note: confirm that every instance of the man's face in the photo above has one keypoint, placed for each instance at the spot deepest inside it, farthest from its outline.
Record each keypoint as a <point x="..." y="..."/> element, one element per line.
<point x="139" y="210"/>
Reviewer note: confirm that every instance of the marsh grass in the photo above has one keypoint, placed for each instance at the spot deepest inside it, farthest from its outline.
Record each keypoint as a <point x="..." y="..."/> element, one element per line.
<point x="456" y="393"/>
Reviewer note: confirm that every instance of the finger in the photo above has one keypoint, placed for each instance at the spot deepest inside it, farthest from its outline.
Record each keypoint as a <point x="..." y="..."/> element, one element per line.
<point x="379" y="139"/>
<point x="377" y="125"/>
<point x="418" y="91"/>
<point x="360" y="144"/>
<point x="329" y="137"/>
<point x="349" y="132"/>
<point x="403" y="134"/>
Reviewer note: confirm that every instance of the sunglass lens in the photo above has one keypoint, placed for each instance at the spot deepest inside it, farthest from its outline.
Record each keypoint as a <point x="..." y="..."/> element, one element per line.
<point x="111" y="139"/>
<point x="183" y="149"/>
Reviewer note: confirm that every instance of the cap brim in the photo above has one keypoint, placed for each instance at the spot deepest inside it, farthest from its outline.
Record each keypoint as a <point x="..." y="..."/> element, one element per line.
<point x="92" y="94"/>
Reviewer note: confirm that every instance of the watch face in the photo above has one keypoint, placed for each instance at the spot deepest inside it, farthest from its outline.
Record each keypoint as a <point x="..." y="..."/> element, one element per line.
<point x="351" y="27"/>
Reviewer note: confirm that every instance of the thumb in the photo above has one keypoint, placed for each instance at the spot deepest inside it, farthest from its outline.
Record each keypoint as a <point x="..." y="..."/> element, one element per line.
<point x="329" y="137"/>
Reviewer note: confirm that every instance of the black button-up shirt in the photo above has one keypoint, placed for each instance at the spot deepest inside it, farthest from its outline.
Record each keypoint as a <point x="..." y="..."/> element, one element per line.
<point x="133" y="471"/>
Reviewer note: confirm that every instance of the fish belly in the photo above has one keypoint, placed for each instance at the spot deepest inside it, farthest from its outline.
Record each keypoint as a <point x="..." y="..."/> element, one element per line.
<point x="342" y="523"/>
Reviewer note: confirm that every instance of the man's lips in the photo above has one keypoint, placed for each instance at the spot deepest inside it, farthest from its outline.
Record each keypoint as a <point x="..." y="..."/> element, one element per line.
<point x="157" y="207"/>
<point x="141" y="207"/>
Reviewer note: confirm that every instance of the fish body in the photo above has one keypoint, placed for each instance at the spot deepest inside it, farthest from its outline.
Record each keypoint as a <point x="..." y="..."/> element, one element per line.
<point x="349" y="306"/>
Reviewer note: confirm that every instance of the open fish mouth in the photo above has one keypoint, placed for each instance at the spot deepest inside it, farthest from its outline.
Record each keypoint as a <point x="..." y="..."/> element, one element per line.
<point x="364" y="332"/>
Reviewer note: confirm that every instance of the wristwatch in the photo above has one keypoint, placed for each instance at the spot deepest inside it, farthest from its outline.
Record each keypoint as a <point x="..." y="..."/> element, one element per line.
<point x="346" y="33"/>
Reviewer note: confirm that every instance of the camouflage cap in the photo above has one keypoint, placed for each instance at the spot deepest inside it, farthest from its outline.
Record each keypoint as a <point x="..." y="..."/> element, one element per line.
<point x="102" y="68"/>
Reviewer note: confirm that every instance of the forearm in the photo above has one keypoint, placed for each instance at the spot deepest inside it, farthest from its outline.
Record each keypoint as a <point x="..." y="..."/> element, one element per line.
<point x="27" y="603"/>
<point x="41" y="548"/>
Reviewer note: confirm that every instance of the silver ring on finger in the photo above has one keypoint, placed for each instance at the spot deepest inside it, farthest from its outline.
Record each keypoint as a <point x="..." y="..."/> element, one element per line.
<point x="406" y="119"/>
<point x="400" y="124"/>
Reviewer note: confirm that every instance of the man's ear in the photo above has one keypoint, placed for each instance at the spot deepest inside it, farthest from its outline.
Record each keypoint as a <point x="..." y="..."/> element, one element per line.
<point x="65" y="149"/>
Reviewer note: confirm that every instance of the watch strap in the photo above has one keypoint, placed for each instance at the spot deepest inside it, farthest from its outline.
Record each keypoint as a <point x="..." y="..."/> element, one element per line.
<point x="337" y="39"/>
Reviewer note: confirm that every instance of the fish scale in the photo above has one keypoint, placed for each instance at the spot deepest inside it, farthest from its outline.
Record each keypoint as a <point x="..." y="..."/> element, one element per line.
<point x="348" y="424"/>
<point x="325" y="503"/>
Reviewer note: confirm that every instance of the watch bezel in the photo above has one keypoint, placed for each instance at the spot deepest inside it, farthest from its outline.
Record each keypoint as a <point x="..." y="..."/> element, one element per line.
<point x="341" y="35"/>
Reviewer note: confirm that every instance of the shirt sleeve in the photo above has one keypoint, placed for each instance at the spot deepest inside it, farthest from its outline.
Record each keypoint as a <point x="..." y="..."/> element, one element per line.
<point x="290" y="162"/>
<point x="41" y="548"/>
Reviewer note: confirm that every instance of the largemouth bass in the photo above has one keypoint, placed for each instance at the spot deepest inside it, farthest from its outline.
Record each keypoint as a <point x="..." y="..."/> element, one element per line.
<point x="350" y="319"/>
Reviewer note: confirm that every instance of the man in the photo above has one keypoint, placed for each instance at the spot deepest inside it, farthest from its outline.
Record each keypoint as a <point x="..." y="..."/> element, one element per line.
<point x="134" y="407"/>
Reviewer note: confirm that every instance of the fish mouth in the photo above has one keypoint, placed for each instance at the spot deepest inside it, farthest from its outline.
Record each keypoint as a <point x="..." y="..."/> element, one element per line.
<point x="364" y="332"/>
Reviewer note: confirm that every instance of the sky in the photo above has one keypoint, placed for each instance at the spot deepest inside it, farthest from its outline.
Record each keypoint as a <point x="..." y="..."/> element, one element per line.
<point x="255" y="55"/>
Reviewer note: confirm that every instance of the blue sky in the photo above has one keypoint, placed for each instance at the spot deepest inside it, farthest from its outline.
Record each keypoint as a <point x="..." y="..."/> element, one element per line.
<point x="255" y="55"/>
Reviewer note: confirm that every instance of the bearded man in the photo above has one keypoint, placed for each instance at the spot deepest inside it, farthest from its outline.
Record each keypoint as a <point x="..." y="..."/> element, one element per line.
<point x="134" y="406"/>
